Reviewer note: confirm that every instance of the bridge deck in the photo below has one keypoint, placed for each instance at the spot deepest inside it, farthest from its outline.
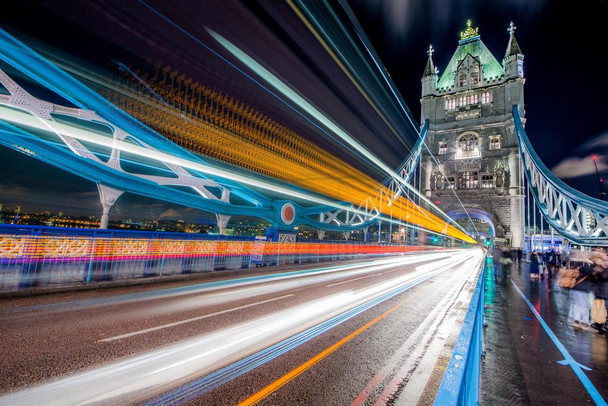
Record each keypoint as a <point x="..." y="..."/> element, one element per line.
<point x="521" y="364"/>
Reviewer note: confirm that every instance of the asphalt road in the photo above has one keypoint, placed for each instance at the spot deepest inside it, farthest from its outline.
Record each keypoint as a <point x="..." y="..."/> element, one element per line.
<point x="357" y="333"/>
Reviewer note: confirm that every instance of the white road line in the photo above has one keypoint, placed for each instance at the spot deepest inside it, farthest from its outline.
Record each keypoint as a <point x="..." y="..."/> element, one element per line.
<point x="350" y="280"/>
<point x="177" y="323"/>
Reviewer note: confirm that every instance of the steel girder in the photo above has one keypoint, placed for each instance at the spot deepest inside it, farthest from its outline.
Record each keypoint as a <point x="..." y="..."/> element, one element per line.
<point x="70" y="150"/>
<point x="579" y="218"/>
<point x="365" y="214"/>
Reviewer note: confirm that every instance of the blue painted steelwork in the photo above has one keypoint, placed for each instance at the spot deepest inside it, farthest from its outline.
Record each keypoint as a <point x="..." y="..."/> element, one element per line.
<point x="48" y="75"/>
<point x="460" y="384"/>
<point x="574" y="215"/>
<point x="361" y="220"/>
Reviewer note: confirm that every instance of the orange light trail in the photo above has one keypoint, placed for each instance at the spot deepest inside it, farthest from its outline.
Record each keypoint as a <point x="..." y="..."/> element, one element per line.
<point x="217" y="126"/>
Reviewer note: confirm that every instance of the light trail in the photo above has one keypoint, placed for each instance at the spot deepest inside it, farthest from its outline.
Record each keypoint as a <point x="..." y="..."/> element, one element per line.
<point x="294" y="97"/>
<point x="301" y="278"/>
<point x="190" y="320"/>
<point x="146" y="374"/>
<point x="286" y="91"/>
<point x="23" y="119"/>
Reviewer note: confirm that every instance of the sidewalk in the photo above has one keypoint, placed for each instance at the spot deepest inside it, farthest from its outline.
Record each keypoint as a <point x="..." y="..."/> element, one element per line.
<point x="523" y="354"/>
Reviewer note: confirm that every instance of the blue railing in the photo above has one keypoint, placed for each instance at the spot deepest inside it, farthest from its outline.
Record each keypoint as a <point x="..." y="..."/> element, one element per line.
<point x="460" y="384"/>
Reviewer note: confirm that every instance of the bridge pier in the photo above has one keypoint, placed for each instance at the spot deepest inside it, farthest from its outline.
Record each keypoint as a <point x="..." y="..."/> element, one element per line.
<point x="222" y="222"/>
<point x="108" y="197"/>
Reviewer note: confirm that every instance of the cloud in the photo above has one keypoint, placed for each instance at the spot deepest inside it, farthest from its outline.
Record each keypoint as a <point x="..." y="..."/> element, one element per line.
<point x="170" y="213"/>
<point x="580" y="164"/>
<point x="595" y="142"/>
<point x="575" y="167"/>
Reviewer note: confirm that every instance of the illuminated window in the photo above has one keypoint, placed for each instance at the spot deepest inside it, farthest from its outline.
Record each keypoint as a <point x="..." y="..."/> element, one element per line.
<point x="494" y="142"/>
<point x="462" y="79"/>
<point x="474" y="77"/>
<point x="520" y="68"/>
<point x="468" y="180"/>
<point x="486" y="97"/>
<point x="487" y="181"/>
<point x="474" y="98"/>
<point x="450" y="103"/>
<point x="443" y="148"/>
<point x="468" y="147"/>
<point x="467" y="142"/>
<point x="462" y="101"/>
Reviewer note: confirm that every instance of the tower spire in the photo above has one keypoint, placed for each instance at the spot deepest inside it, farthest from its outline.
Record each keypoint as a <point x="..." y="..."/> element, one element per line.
<point x="430" y="68"/>
<point x="429" y="77"/>
<point x="513" y="46"/>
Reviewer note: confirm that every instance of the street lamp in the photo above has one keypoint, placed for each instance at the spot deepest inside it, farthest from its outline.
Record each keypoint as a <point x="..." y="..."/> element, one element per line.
<point x="600" y="181"/>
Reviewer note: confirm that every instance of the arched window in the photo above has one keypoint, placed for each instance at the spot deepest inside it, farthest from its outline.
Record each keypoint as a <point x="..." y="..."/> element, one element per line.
<point x="474" y="77"/>
<point x="467" y="142"/>
<point x="468" y="180"/>
<point x="443" y="148"/>
<point x="495" y="142"/>
<point x="468" y="146"/>
<point x="462" y="79"/>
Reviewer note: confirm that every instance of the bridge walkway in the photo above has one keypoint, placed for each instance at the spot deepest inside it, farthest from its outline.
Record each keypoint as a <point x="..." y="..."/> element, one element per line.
<point x="522" y="352"/>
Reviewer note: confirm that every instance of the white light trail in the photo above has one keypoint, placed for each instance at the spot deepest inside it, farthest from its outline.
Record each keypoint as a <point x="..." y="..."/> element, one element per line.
<point x="144" y="375"/>
<point x="179" y="323"/>
<point x="22" y="117"/>
<point x="319" y="116"/>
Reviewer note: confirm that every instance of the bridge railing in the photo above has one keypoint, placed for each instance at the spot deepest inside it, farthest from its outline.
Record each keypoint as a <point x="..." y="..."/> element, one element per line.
<point x="460" y="384"/>
<point x="574" y="215"/>
<point x="35" y="260"/>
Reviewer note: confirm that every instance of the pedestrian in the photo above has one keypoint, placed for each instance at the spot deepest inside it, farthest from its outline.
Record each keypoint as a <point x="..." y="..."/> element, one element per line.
<point x="496" y="262"/>
<point x="520" y="253"/>
<point x="580" y="306"/>
<point x="534" y="265"/>
<point x="600" y="263"/>
<point x="552" y="262"/>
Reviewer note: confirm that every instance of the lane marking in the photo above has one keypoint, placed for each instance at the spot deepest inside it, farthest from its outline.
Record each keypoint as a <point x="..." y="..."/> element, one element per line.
<point x="319" y="357"/>
<point x="177" y="323"/>
<point x="350" y="280"/>
<point x="218" y="378"/>
<point x="568" y="359"/>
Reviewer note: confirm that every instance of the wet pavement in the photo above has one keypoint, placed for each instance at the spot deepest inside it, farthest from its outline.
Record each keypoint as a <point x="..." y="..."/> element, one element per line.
<point x="523" y="350"/>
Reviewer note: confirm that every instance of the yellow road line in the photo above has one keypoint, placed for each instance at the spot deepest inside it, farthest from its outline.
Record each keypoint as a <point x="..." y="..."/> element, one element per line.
<point x="314" y="360"/>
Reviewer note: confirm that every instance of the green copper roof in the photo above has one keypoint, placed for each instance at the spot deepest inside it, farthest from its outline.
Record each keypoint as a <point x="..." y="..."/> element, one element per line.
<point x="474" y="46"/>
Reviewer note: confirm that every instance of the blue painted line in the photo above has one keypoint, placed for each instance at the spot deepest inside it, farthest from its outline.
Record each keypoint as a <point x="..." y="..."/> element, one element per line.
<point x="568" y="359"/>
<point x="205" y="384"/>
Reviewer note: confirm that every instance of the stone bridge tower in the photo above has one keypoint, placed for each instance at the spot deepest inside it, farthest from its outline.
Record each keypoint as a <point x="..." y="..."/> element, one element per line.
<point x="471" y="134"/>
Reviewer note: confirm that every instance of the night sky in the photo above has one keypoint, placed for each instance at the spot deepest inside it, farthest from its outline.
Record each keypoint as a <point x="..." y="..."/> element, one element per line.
<point x="565" y="89"/>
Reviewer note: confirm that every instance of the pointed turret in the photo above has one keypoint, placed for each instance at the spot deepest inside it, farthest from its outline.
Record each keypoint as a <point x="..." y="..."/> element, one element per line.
<point x="513" y="61"/>
<point x="429" y="77"/>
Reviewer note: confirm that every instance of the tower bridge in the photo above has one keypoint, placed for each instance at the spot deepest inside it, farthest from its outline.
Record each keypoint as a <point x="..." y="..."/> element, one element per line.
<point x="469" y="181"/>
